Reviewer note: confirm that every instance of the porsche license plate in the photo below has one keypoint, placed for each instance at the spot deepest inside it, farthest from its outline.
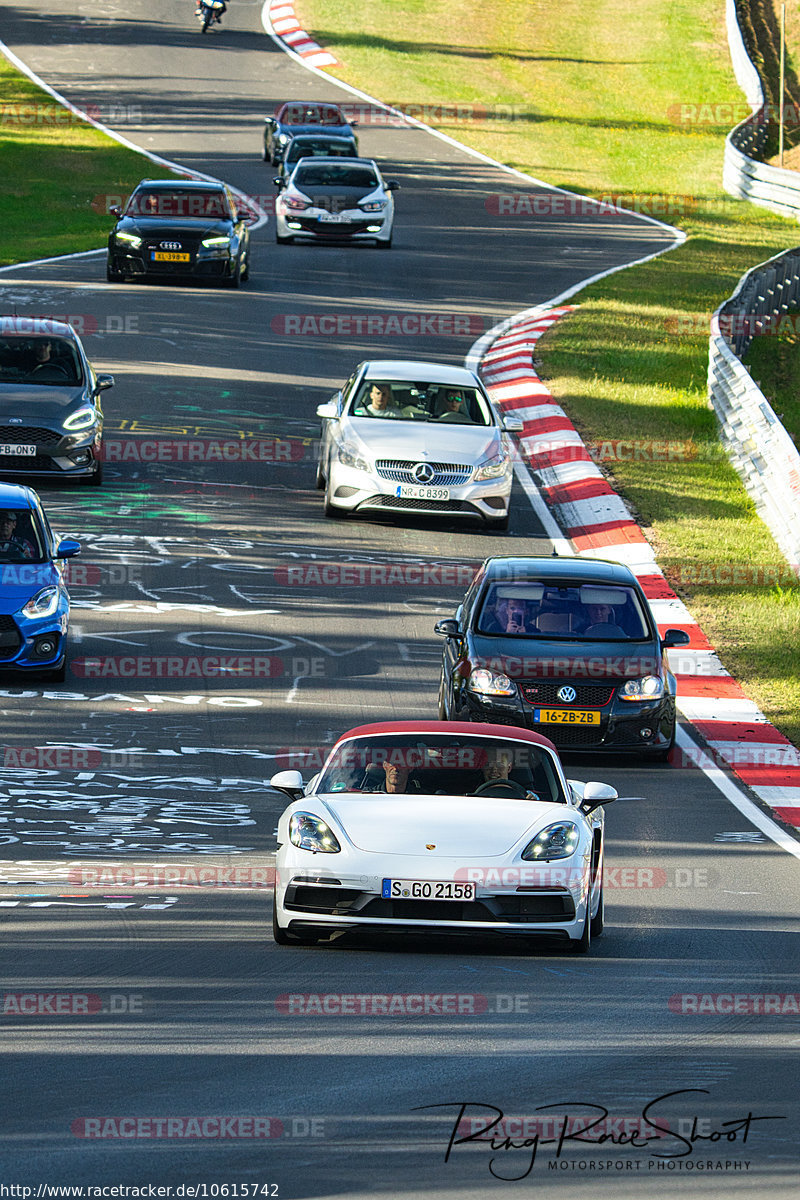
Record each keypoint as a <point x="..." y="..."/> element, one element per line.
<point x="566" y="716"/>
<point x="412" y="492"/>
<point x="11" y="449"/>
<point x="169" y="256"/>
<point x="425" y="889"/>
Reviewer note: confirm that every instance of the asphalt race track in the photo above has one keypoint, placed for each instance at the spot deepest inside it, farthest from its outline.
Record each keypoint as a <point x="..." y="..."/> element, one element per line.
<point x="209" y="648"/>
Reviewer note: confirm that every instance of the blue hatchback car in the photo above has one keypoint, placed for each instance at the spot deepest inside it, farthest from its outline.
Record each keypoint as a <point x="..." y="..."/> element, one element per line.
<point x="34" y="601"/>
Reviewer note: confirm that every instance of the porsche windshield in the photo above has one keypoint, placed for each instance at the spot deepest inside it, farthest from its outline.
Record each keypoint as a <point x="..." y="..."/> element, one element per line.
<point x="443" y="766"/>
<point x="421" y="401"/>
<point x="586" y="612"/>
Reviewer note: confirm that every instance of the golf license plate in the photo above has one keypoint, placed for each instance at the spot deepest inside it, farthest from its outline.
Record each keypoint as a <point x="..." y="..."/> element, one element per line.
<point x="27" y="450"/>
<point x="425" y="889"/>
<point x="412" y="492"/>
<point x="566" y="716"/>
<point x="169" y="256"/>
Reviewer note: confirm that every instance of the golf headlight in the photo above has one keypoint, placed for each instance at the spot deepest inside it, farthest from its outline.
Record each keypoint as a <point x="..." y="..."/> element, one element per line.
<point x="556" y="841"/>
<point x="128" y="239"/>
<point x="83" y="418"/>
<point x="311" y="833"/>
<point x="372" y="205"/>
<point x="215" y="242"/>
<point x="649" y="687"/>
<point x="43" y="604"/>
<point x="492" y="468"/>
<point x="488" y="683"/>
<point x="349" y="456"/>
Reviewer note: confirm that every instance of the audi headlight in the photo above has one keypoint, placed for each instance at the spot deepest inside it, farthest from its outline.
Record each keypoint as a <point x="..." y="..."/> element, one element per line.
<point x="489" y="683"/>
<point x="649" y="687"/>
<point x="82" y="418"/>
<point x="43" y="604"/>
<point x="129" y="239"/>
<point x="210" y="242"/>
<point x="492" y="468"/>
<point x="556" y="841"/>
<point x="349" y="456"/>
<point x="373" y="206"/>
<point x="311" y="833"/>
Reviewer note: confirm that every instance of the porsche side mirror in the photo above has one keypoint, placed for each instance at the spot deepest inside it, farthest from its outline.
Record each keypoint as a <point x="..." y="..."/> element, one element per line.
<point x="288" y="782"/>
<point x="596" y="794"/>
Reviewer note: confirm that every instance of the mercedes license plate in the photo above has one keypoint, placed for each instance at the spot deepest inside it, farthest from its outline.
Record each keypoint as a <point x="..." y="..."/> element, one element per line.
<point x="566" y="716"/>
<point x="9" y="449"/>
<point x="414" y="492"/>
<point x="425" y="889"/>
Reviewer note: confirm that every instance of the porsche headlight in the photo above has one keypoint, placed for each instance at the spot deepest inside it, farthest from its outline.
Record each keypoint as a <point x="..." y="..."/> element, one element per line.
<point x="492" y="468"/>
<point x="489" y="683"/>
<point x="43" y="604"/>
<point x="556" y="841"/>
<point x="349" y="456"/>
<point x="83" y="418"/>
<point x="128" y="239"/>
<point x="311" y="833"/>
<point x="649" y="687"/>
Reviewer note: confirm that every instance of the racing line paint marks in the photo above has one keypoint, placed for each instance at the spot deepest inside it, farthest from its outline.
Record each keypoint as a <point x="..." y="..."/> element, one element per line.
<point x="598" y="523"/>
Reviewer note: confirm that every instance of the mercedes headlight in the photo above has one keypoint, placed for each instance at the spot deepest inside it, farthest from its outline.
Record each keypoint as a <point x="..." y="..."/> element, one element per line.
<point x="556" y="841"/>
<point x="490" y="683"/>
<point x="82" y="418"/>
<point x="492" y="468"/>
<point x="311" y="833"/>
<point x="43" y="604"/>
<point x="649" y="687"/>
<point x="349" y="456"/>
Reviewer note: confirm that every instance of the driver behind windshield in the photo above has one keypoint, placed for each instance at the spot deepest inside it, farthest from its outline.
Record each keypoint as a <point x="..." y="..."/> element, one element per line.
<point x="12" y="547"/>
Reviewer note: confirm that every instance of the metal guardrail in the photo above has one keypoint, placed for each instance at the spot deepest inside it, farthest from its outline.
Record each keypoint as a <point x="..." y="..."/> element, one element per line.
<point x="742" y="174"/>
<point x="754" y="439"/>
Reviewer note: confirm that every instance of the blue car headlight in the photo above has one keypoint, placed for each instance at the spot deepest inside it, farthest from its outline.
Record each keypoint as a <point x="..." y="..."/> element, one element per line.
<point x="43" y="604"/>
<point x="311" y="833"/>
<point x="556" y="841"/>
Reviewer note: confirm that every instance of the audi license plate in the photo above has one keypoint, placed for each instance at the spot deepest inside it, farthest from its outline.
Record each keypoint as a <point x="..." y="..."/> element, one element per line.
<point x="169" y="256"/>
<point x="566" y="716"/>
<point x="424" y="889"/>
<point x="413" y="492"/>
<point x="28" y="450"/>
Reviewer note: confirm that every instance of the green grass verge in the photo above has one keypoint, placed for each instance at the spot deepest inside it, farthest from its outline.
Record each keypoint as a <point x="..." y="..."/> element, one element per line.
<point x="601" y="91"/>
<point x="57" y="172"/>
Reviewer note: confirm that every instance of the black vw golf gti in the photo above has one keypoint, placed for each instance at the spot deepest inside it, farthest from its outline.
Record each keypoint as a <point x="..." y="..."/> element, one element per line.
<point x="564" y="646"/>
<point x="174" y="229"/>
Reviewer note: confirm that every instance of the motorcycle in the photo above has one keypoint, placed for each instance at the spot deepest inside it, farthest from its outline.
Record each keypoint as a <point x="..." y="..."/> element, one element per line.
<point x="209" y="12"/>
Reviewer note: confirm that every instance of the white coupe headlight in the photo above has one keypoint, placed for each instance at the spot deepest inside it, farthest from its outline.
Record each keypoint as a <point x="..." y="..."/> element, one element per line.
<point x="490" y="683"/>
<point x="556" y="841"/>
<point x="372" y="205"/>
<point x="43" y="604"/>
<point x="349" y="456"/>
<point x="311" y="833"/>
<point x="649" y="687"/>
<point x="492" y="468"/>
<point x="84" y="418"/>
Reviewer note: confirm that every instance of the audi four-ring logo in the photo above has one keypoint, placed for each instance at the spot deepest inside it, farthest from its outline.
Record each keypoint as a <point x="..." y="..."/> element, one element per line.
<point x="170" y="245"/>
<point x="423" y="472"/>
<point x="567" y="694"/>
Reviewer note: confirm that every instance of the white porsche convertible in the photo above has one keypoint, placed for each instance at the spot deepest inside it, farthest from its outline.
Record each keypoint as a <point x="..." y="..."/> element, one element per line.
<point x="444" y="827"/>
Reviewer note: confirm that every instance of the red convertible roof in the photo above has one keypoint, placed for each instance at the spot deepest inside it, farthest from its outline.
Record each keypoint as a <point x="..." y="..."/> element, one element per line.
<point x="458" y="728"/>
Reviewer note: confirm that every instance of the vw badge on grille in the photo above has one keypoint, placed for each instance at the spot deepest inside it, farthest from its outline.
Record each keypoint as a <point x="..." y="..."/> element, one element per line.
<point x="423" y="472"/>
<point x="567" y="694"/>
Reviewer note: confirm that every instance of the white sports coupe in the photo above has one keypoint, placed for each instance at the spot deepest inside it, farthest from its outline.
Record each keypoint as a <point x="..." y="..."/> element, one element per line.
<point x="445" y="827"/>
